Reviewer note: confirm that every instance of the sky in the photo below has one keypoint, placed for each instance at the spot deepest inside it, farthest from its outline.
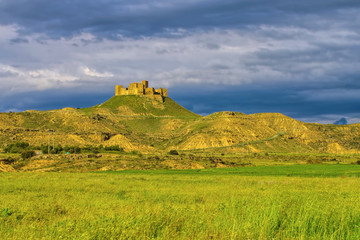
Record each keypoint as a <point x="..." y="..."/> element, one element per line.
<point x="299" y="58"/>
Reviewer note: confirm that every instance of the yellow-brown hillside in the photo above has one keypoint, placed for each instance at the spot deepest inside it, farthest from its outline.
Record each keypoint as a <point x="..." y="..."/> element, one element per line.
<point x="147" y="125"/>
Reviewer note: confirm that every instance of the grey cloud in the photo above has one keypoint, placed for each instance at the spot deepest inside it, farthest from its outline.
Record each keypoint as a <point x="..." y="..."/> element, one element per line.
<point x="219" y="67"/>
<point x="19" y="40"/>
<point x="212" y="45"/>
<point x="300" y="58"/>
<point x="7" y="74"/>
<point x="109" y="18"/>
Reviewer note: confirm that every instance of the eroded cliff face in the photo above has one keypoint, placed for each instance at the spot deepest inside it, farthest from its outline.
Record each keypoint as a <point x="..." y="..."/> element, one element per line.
<point x="147" y="125"/>
<point x="268" y="132"/>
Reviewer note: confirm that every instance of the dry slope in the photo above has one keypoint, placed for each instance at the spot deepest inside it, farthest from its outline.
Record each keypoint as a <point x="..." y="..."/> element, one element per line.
<point x="147" y="125"/>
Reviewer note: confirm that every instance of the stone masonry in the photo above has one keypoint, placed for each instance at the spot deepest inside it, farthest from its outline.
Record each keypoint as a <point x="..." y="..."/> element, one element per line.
<point x="142" y="89"/>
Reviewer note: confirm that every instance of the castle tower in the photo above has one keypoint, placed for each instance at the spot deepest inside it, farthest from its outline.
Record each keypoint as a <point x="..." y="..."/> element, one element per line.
<point x="145" y="83"/>
<point x="165" y="92"/>
<point x="118" y="89"/>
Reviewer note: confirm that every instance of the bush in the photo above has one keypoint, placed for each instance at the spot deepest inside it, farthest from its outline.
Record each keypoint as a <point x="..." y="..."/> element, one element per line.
<point x="58" y="149"/>
<point x="92" y="149"/>
<point x="135" y="152"/>
<point x="16" y="147"/>
<point x="114" y="148"/>
<point x="173" y="152"/>
<point x="6" y="212"/>
<point x="8" y="160"/>
<point x="72" y="149"/>
<point x="27" y="154"/>
<point x="45" y="149"/>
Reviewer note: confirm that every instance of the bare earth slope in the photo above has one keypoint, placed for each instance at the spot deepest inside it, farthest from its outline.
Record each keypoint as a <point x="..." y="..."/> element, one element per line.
<point x="147" y="125"/>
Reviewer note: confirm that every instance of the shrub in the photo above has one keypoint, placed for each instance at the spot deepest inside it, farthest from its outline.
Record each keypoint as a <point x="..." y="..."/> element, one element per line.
<point x="114" y="148"/>
<point x="173" y="152"/>
<point x="44" y="149"/>
<point x="121" y="194"/>
<point x="27" y="154"/>
<point x="8" y="160"/>
<point x="57" y="150"/>
<point x="16" y="147"/>
<point x="92" y="149"/>
<point x="72" y="149"/>
<point x="135" y="152"/>
<point x="5" y="212"/>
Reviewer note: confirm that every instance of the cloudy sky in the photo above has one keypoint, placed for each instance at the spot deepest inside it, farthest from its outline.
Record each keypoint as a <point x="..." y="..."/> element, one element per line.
<point x="300" y="58"/>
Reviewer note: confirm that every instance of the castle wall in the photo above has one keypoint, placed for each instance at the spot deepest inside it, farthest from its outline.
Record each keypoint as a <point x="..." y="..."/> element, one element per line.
<point x="142" y="89"/>
<point x="118" y="89"/>
<point x="124" y="91"/>
<point x="145" y="83"/>
<point x="165" y="92"/>
<point x="149" y="91"/>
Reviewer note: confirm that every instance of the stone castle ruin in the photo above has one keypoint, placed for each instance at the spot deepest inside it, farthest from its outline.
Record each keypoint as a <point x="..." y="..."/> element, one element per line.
<point x="142" y="89"/>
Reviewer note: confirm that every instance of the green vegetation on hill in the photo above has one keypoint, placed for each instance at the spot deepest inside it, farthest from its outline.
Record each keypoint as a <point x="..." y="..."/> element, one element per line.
<point x="140" y="105"/>
<point x="138" y="123"/>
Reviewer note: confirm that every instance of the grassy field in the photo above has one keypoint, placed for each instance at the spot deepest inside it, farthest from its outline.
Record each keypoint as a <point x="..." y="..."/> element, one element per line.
<point x="116" y="161"/>
<point x="272" y="202"/>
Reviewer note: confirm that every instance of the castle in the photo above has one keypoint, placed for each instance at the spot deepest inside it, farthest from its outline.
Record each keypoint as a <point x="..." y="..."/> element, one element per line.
<point x="143" y="90"/>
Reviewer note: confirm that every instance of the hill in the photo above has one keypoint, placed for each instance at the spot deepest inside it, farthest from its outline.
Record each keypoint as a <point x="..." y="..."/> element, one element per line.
<point x="147" y="125"/>
<point x="142" y="106"/>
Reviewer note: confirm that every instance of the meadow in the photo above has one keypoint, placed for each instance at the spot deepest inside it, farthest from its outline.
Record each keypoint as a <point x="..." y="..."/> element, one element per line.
<point x="264" y="202"/>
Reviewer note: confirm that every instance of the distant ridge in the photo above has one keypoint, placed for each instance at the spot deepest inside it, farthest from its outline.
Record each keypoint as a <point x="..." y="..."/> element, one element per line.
<point x="341" y="121"/>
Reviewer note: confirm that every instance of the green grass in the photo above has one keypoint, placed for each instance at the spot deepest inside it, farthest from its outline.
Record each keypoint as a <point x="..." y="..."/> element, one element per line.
<point x="146" y="106"/>
<point x="205" y="204"/>
<point x="317" y="170"/>
<point x="143" y="125"/>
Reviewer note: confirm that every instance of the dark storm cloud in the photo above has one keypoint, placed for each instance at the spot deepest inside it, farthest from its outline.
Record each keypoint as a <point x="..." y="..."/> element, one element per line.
<point x="300" y="58"/>
<point x="107" y="18"/>
<point x="280" y="98"/>
<point x="48" y="100"/>
<point x="246" y="99"/>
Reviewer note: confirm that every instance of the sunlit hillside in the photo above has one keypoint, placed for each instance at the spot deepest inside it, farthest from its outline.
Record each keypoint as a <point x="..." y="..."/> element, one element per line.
<point x="147" y="125"/>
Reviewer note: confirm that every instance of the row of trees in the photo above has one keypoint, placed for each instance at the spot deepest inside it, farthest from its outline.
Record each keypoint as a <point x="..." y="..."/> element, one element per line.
<point x="20" y="147"/>
<point x="76" y="149"/>
<point x="27" y="151"/>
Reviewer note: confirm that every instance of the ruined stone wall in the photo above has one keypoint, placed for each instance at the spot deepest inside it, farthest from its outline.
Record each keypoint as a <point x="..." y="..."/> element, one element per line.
<point x="118" y="90"/>
<point x="145" y="83"/>
<point x="149" y="91"/>
<point x="142" y="89"/>
<point x="165" y="92"/>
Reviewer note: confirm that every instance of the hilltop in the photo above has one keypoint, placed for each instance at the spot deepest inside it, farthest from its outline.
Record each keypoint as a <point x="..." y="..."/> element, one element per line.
<point x="131" y="105"/>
